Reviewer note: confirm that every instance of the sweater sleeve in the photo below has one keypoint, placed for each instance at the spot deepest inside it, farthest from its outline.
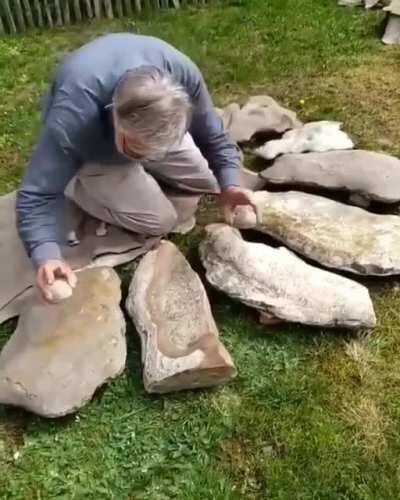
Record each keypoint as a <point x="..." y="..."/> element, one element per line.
<point x="206" y="126"/>
<point x="41" y="195"/>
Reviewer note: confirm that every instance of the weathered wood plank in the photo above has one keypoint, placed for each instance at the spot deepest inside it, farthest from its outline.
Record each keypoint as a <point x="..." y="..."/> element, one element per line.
<point x="20" y="15"/>
<point x="128" y="7"/>
<point x="28" y="13"/>
<point x="119" y="9"/>
<point x="39" y="16"/>
<point x="97" y="9"/>
<point x="109" y="9"/>
<point x="2" y="27"/>
<point x="47" y="11"/>
<point x="57" y="10"/>
<point x="66" y="12"/>
<point x="89" y="10"/>
<point x="9" y="16"/>
<point x="77" y="10"/>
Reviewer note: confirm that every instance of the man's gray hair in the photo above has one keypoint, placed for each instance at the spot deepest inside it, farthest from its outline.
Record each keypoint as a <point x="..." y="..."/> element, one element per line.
<point x="150" y="104"/>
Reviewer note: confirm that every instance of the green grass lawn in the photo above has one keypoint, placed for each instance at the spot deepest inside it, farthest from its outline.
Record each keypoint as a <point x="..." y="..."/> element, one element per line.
<point x="313" y="414"/>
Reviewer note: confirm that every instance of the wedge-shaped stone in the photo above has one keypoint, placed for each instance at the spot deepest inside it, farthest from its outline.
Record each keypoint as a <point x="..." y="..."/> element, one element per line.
<point x="60" y="354"/>
<point x="374" y="176"/>
<point x="277" y="282"/>
<point x="334" y="234"/>
<point x="170" y="309"/>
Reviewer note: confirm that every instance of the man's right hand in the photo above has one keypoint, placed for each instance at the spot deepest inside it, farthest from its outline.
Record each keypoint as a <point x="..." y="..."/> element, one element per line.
<point x="51" y="270"/>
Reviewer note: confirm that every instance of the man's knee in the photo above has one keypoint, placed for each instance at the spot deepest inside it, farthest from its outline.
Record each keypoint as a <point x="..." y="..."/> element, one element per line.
<point x="165" y="221"/>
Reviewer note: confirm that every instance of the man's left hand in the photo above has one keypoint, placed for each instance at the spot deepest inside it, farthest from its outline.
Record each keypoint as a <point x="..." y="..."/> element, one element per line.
<point x="232" y="197"/>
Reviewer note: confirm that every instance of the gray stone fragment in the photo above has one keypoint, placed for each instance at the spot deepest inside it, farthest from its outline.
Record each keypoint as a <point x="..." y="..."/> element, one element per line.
<point x="181" y="348"/>
<point x="334" y="234"/>
<point x="277" y="282"/>
<point x="60" y="354"/>
<point x="374" y="176"/>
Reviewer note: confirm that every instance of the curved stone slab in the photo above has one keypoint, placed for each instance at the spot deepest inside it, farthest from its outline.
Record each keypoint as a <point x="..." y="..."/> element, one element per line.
<point x="60" y="354"/>
<point x="276" y="281"/>
<point x="313" y="136"/>
<point x="170" y="309"/>
<point x="375" y="176"/>
<point x="259" y="114"/>
<point x="334" y="234"/>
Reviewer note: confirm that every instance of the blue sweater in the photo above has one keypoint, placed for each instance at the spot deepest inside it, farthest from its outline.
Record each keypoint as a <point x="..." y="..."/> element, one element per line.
<point x="78" y="129"/>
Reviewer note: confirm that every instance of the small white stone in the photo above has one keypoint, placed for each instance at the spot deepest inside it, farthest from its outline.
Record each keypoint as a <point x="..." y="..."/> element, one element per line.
<point x="59" y="290"/>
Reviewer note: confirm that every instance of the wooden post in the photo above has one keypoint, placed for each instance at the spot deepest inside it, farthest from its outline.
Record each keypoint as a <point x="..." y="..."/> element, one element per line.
<point x="128" y="7"/>
<point x="57" y="9"/>
<point x="39" y="15"/>
<point x="77" y="10"/>
<point x="10" y="20"/>
<point x="138" y="5"/>
<point x="89" y="10"/>
<point x="20" y="15"/>
<point x="2" y="28"/>
<point x="48" y="13"/>
<point x="118" y="6"/>
<point x="109" y="10"/>
<point x="28" y="13"/>
<point x="97" y="9"/>
<point x="66" y="12"/>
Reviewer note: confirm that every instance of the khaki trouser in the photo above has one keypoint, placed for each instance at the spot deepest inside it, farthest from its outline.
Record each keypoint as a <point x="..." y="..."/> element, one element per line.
<point x="148" y="198"/>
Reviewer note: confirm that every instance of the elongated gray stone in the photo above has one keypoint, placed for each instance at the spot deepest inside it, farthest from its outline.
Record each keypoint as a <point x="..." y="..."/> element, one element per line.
<point x="375" y="176"/>
<point x="60" y="354"/>
<point x="170" y="309"/>
<point x="277" y="282"/>
<point x="334" y="234"/>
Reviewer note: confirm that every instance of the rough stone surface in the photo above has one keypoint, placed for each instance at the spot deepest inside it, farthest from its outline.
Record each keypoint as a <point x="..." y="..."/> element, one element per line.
<point x="334" y="234"/>
<point x="16" y="271"/>
<point x="58" y="291"/>
<point x="259" y="114"/>
<point x="393" y="7"/>
<point x="392" y="30"/>
<point x="60" y="354"/>
<point x="313" y="136"/>
<point x="375" y="176"/>
<point x="350" y="3"/>
<point x="251" y="180"/>
<point x="277" y="282"/>
<point x="170" y="309"/>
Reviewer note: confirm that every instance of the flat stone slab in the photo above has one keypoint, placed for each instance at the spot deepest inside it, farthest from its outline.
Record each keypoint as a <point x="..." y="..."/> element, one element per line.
<point x="259" y="114"/>
<point x="60" y="354"/>
<point x="277" y="282"/>
<point x="374" y="176"/>
<point x="16" y="271"/>
<point x="336" y="235"/>
<point x="314" y="136"/>
<point x="181" y="348"/>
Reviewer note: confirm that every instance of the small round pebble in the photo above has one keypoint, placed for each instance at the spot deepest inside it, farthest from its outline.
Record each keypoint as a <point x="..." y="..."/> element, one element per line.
<point x="59" y="290"/>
